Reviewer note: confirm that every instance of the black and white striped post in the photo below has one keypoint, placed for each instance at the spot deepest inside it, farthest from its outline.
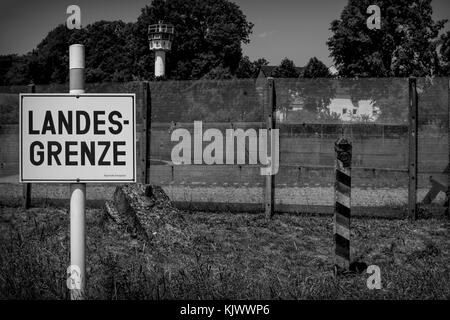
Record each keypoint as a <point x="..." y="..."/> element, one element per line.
<point x="342" y="211"/>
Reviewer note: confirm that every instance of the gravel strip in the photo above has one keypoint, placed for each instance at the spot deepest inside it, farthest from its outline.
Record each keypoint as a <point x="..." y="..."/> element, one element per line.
<point x="370" y="197"/>
<point x="302" y="196"/>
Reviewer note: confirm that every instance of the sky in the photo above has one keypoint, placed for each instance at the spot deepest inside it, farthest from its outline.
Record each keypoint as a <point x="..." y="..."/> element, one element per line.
<point x="295" y="29"/>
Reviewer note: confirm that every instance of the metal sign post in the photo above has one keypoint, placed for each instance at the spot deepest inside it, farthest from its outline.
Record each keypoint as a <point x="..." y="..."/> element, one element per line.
<point x="77" y="190"/>
<point x="77" y="138"/>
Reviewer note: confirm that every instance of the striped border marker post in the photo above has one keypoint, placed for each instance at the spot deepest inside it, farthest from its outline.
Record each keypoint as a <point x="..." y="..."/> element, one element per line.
<point x="342" y="211"/>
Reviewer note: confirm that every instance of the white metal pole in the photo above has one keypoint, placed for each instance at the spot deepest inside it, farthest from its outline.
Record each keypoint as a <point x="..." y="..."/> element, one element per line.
<point x="78" y="190"/>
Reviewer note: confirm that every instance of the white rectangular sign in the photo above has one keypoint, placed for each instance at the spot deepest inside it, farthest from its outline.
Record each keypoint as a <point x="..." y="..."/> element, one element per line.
<point x="77" y="138"/>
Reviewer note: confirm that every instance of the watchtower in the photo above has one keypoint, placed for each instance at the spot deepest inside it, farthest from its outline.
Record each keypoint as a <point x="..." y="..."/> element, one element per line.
<point x="160" y="37"/>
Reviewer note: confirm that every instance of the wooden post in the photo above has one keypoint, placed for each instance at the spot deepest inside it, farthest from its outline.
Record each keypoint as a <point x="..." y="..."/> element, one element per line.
<point x="270" y="124"/>
<point x="412" y="155"/>
<point x="26" y="195"/>
<point x="145" y="132"/>
<point x="148" y="132"/>
<point x="342" y="211"/>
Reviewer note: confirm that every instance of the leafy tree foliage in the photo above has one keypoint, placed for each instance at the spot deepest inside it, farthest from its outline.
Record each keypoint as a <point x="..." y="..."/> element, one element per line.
<point x="219" y="73"/>
<point x="245" y="69"/>
<point x="404" y="46"/>
<point x="259" y="63"/>
<point x="49" y="62"/>
<point x="250" y="69"/>
<point x="286" y="69"/>
<point x="109" y="55"/>
<point x="208" y="35"/>
<point x="13" y="69"/>
<point x="109" y="51"/>
<point x="316" y="69"/>
<point x="445" y="54"/>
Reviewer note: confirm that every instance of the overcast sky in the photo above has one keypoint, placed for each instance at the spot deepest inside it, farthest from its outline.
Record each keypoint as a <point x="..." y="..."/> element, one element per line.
<point x="295" y="29"/>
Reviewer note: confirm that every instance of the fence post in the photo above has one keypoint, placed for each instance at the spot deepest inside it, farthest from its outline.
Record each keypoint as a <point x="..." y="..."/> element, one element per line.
<point x="270" y="124"/>
<point x="342" y="210"/>
<point x="26" y="195"/>
<point x="149" y="132"/>
<point x="412" y="154"/>
<point x="144" y="137"/>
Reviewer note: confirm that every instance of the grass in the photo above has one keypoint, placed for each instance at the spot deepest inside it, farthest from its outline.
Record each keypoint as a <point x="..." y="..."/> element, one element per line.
<point x="230" y="256"/>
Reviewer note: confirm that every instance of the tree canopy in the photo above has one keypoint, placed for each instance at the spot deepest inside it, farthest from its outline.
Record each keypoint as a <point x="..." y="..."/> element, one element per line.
<point x="208" y="38"/>
<point x="208" y="35"/>
<point x="13" y="69"/>
<point x="109" y="55"/>
<point x="109" y="51"/>
<point x="406" y="44"/>
<point x="250" y="69"/>
<point x="316" y="69"/>
<point x="445" y="54"/>
<point x="286" y="69"/>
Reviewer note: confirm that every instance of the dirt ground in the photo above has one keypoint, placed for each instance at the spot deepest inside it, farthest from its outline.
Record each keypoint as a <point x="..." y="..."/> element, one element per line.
<point x="232" y="256"/>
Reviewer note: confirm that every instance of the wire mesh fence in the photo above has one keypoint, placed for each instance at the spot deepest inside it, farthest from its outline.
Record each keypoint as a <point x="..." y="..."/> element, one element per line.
<point x="311" y="114"/>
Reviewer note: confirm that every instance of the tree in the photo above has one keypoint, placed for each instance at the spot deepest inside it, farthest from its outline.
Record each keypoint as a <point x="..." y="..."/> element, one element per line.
<point x="260" y="62"/>
<point x="445" y="54"/>
<point x="14" y="70"/>
<point x="218" y="73"/>
<point x="208" y="37"/>
<point x="49" y="62"/>
<point x="6" y="62"/>
<point x="246" y="68"/>
<point x="286" y="69"/>
<point x="404" y="46"/>
<point x="314" y="95"/>
<point x="108" y="54"/>
<point x="208" y="34"/>
<point x="317" y="95"/>
<point x="250" y="69"/>
<point x="316" y="69"/>
<point x="109" y="51"/>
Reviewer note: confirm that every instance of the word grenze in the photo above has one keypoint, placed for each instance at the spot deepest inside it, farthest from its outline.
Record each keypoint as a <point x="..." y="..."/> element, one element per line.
<point x="76" y="152"/>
